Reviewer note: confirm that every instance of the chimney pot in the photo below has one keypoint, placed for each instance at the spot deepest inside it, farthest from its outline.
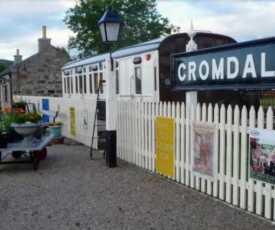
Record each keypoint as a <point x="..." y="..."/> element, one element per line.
<point x="17" y="57"/>
<point x="44" y="31"/>
<point x="44" y="42"/>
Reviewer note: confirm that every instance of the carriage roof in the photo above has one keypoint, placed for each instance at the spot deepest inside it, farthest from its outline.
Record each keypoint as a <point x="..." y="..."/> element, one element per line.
<point x="135" y="49"/>
<point x="131" y="50"/>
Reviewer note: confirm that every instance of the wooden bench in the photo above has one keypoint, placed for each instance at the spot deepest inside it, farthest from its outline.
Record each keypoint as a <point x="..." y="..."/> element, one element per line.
<point x="49" y="113"/>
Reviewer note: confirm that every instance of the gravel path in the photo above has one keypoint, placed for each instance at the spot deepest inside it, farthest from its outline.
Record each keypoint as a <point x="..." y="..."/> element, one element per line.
<point x="69" y="191"/>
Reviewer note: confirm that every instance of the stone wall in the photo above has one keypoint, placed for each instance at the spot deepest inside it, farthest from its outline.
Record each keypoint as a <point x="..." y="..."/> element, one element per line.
<point x="40" y="74"/>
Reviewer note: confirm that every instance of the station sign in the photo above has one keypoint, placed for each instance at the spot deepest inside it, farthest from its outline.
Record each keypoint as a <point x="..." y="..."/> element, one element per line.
<point x="246" y="65"/>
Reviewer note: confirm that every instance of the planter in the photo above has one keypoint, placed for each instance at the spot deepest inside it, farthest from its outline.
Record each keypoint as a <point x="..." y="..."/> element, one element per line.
<point x="26" y="130"/>
<point x="55" y="130"/>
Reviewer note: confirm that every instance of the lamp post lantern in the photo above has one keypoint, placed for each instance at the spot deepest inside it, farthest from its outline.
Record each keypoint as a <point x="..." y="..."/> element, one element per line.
<point x="109" y="26"/>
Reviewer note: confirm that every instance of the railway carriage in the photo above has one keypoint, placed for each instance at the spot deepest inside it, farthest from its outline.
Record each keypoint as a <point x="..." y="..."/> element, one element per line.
<point x="143" y="71"/>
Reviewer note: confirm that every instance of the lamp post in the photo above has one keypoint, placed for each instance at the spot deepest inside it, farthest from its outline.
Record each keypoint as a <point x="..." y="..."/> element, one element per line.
<point x="109" y="26"/>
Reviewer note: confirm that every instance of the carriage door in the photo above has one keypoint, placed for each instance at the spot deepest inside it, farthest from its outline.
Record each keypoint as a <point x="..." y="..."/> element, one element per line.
<point x="125" y="78"/>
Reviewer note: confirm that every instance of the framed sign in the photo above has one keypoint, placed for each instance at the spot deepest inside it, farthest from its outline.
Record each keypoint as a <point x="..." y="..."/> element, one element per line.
<point x="262" y="155"/>
<point x="72" y="120"/>
<point x="203" y="159"/>
<point x="165" y="146"/>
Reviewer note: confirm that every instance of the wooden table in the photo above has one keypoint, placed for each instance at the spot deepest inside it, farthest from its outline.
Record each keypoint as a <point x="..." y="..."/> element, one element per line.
<point x="33" y="152"/>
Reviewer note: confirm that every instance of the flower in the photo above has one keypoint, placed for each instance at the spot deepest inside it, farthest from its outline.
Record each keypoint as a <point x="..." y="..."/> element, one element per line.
<point x="19" y="116"/>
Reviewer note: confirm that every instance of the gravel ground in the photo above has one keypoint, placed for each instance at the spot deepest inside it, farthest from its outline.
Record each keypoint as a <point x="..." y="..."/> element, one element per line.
<point x="69" y="191"/>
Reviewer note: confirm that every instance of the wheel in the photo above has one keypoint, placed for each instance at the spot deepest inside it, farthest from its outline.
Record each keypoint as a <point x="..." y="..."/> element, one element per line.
<point x="35" y="162"/>
<point x="17" y="154"/>
<point x="41" y="154"/>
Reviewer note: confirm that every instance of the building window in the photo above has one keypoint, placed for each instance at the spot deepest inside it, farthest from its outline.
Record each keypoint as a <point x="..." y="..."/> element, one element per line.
<point x="138" y="79"/>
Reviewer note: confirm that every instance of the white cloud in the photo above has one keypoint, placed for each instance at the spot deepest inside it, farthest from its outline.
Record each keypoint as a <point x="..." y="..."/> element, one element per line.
<point x="34" y="7"/>
<point x="241" y="20"/>
<point x="21" y="20"/>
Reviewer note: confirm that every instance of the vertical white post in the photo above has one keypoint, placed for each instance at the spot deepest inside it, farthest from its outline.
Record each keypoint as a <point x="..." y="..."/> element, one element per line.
<point x="111" y="154"/>
<point x="191" y="97"/>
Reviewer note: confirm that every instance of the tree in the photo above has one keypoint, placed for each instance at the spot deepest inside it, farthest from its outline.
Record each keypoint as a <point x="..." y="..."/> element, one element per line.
<point x="141" y="21"/>
<point x="3" y="66"/>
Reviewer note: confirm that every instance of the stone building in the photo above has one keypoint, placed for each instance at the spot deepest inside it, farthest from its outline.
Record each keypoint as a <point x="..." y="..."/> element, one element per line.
<point x="38" y="75"/>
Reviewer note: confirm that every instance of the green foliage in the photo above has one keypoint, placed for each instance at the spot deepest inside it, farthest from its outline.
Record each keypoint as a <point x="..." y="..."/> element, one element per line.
<point x="19" y="104"/>
<point x="3" y="66"/>
<point x="141" y="21"/>
<point x="58" y="123"/>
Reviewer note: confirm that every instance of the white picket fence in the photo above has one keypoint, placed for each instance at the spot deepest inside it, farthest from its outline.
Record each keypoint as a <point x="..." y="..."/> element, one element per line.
<point x="136" y="135"/>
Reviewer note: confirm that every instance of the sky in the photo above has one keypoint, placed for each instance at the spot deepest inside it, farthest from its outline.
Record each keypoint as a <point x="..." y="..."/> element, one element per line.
<point x="21" y="21"/>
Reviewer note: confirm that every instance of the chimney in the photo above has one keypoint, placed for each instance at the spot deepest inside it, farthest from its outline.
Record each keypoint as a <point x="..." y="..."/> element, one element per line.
<point x="43" y="42"/>
<point x="17" y="57"/>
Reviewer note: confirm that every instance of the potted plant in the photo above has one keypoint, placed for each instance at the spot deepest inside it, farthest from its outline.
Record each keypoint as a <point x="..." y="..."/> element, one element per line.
<point x="20" y="121"/>
<point x="55" y="128"/>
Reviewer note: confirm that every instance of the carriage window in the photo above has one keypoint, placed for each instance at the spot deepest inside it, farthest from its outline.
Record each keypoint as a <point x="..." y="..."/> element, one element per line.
<point x="80" y="85"/>
<point x="68" y="85"/>
<point x="84" y="84"/>
<point x="96" y="82"/>
<point x="138" y="79"/>
<point x="101" y="83"/>
<point x="91" y="83"/>
<point x="155" y="78"/>
<point x="65" y="85"/>
<point x="71" y="81"/>
<point x="5" y="93"/>
<point x="117" y="82"/>
<point x="76" y="85"/>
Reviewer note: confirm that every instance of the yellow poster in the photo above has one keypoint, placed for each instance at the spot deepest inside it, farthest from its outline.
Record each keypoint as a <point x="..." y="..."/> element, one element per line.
<point x="72" y="120"/>
<point x="165" y="146"/>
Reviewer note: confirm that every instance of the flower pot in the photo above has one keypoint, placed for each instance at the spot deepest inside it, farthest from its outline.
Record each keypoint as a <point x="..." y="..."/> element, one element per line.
<point x="55" y="130"/>
<point x="26" y="130"/>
